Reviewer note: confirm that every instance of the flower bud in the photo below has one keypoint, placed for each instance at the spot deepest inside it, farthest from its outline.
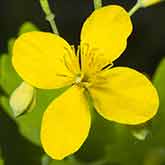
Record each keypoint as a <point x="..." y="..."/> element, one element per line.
<point x="22" y="98"/>
<point x="146" y="3"/>
<point x="140" y="133"/>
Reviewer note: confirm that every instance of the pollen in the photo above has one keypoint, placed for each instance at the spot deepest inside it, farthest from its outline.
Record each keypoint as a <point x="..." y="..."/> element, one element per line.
<point x="78" y="79"/>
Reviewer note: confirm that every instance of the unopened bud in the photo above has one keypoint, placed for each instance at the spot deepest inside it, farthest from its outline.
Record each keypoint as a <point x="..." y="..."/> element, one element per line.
<point x="22" y="98"/>
<point x="140" y="133"/>
<point x="146" y="3"/>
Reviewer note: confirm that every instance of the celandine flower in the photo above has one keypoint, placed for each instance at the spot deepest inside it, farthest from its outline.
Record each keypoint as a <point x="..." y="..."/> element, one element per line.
<point x="120" y="94"/>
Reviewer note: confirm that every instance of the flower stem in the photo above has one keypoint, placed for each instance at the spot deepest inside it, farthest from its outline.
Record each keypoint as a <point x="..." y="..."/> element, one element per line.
<point x="97" y="4"/>
<point x="136" y="7"/>
<point x="46" y="160"/>
<point x="49" y="15"/>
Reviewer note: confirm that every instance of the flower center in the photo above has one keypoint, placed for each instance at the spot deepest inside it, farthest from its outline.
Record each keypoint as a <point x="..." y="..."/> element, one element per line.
<point x="82" y="80"/>
<point x="91" y="63"/>
<point x="78" y="79"/>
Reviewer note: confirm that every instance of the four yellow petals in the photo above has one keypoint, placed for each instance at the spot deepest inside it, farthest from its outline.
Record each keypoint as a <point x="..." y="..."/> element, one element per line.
<point x="120" y="94"/>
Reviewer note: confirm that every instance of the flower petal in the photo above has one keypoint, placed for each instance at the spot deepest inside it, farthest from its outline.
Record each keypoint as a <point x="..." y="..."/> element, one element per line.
<point x="65" y="124"/>
<point x="44" y="60"/>
<point x="125" y="96"/>
<point x="107" y="29"/>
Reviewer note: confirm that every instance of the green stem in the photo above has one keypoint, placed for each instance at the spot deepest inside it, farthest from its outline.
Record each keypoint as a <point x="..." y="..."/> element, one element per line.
<point x="46" y="160"/>
<point x="49" y="15"/>
<point x="97" y="4"/>
<point x="136" y="7"/>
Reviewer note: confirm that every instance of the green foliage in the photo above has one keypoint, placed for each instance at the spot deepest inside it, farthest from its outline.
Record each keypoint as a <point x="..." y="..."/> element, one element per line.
<point x="1" y="162"/>
<point x="46" y="160"/>
<point x="158" y="122"/>
<point x="9" y="78"/>
<point x="1" y="159"/>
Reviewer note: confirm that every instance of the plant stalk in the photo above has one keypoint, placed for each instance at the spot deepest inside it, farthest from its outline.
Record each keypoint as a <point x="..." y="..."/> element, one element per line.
<point x="97" y="4"/>
<point x="49" y="15"/>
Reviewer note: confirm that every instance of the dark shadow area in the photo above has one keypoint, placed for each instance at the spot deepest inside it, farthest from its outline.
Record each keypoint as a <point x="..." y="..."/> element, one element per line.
<point x="2" y="92"/>
<point x="15" y="149"/>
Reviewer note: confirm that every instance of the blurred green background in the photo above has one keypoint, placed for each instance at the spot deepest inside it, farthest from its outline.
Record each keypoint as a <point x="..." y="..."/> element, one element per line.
<point x="108" y="143"/>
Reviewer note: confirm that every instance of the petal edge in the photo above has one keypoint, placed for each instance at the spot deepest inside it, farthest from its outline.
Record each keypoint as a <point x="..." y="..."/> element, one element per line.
<point x="126" y="97"/>
<point x="65" y="124"/>
<point x="107" y="29"/>
<point x="39" y="59"/>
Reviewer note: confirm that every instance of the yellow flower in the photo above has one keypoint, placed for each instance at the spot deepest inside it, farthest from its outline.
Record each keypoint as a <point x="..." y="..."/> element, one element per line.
<point x="120" y="94"/>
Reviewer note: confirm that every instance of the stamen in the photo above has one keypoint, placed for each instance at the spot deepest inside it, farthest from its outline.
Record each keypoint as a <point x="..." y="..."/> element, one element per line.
<point x="84" y="50"/>
<point x="110" y="65"/>
<point x="70" y="61"/>
<point x="79" y="56"/>
<point x="73" y="48"/>
<point x="93" y="64"/>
